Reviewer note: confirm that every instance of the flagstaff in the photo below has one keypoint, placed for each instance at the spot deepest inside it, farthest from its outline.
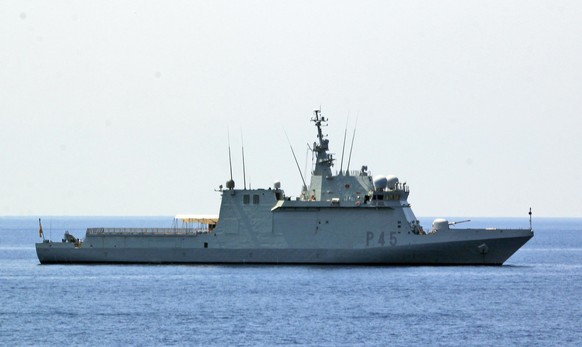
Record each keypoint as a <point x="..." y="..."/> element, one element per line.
<point x="40" y="233"/>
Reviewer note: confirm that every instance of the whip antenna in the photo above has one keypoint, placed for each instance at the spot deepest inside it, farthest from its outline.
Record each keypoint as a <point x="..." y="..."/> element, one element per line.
<point x="243" y="157"/>
<point x="344" y="146"/>
<point x="296" y="163"/>
<point x="230" y="183"/>
<point x="352" y="146"/>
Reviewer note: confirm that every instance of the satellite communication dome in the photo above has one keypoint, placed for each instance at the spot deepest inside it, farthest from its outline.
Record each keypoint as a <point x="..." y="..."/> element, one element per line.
<point x="230" y="184"/>
<point x="277" y="184"/>
<point x="380" y="182"/>
<point x="392" y="181"/>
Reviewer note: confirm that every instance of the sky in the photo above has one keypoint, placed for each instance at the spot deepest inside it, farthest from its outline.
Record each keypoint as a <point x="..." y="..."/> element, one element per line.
<point x="127" y="107"/>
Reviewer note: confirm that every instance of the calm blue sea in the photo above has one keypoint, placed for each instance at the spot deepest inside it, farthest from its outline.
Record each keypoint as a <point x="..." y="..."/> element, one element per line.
<point x="535" y="299"/>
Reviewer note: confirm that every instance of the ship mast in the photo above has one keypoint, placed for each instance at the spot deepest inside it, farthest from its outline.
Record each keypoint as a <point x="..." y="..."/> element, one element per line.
<point x="324" y="161"/>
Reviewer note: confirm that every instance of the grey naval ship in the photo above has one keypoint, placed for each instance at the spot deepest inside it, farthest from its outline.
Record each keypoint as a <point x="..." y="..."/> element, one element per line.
<point x="342" y="218"/>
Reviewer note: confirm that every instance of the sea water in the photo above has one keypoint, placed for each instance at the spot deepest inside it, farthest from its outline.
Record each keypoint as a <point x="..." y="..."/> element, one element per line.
<point x="534" y="299"/>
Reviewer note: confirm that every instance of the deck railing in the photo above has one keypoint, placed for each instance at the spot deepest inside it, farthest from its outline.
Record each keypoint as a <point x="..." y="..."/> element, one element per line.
<point x="146" y="231"/>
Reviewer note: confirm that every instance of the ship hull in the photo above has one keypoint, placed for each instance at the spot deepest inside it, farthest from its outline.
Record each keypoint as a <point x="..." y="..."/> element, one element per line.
<point x="468" y="252"/>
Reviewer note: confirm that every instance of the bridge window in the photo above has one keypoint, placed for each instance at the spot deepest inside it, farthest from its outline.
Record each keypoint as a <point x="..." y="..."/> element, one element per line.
<point x="255" y="199"/>
<point x="246" y="199"/>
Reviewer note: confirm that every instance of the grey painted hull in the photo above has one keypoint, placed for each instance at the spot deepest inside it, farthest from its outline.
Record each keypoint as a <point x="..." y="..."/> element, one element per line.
<point x="434" y="252"/>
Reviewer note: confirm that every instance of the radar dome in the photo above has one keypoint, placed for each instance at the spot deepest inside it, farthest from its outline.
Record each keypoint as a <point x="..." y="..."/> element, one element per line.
<point x="230" y="184"/>
<point x="277" y="184"/>
<point x="392" y="181"/>
<point x="380" y="182"/>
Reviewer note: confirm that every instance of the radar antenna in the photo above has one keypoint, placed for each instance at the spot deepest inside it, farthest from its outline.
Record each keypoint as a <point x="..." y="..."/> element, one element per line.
<point x="324" y="161"/>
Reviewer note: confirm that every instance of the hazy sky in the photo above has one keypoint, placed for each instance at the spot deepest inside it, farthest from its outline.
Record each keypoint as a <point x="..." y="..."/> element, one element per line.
<point x="123" y="107"/>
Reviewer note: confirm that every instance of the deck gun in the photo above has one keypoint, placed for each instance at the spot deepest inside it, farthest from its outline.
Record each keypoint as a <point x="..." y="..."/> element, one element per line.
<point x="459" y="222"/>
